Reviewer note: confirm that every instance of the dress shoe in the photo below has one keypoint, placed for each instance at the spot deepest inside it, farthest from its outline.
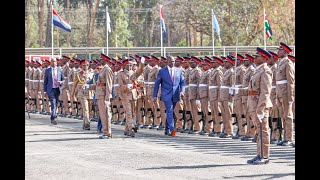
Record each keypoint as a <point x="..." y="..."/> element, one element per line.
<point x="104" y="136"/>
<point x="166" y="133"/>
<point x="185" y="131"/>
<point x="237" y="136"/>
<point x="154" y="127"/>
<point x="254" y="159"/>
<point x="204" y="133"/>
<point x="140" y="126"/>
<point x="254" y="139"/>
<point x="131" y="133"/>
<point x="214" y="134"/>
<point x="123" y="123"/>
<point x="148" y="127"/>
<point x="126" y="133"/>
<point x="86" y="126"/>
<point x="279" y="143"/>
<point x="54" y="122"/>
<point x="261" y="161"/>
<point x="179" y="129"/>
<point x="286" y="143"/>
<point x="160" y="128"/>
<point x="69" y="116"/>
<point x="225" y="136"/>
<point x="173" y="132"/>
<point x="293" y="144"/>
<point x="273" y="141"/>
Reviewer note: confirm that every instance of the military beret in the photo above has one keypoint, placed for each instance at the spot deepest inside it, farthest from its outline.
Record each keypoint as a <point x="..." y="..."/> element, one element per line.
<point x="240" y="57"/>
<point x="217" y="59"/>
<point x="263" y="53"/>
<point x="274" y="55"/>
<point x="249" y="57"/>
<point x="195" y="59"/>
<point x="155" y="58"/>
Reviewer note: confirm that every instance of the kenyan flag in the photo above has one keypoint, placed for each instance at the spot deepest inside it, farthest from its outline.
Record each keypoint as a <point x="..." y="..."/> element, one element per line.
<point x="268" y="29"/>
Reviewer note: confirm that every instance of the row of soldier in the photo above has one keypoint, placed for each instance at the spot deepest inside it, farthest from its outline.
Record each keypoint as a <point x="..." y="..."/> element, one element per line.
<point x="215" y="97"/>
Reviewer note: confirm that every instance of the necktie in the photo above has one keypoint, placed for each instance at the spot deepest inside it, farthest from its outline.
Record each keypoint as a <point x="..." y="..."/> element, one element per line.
<point x="55" y="79"/>
<point x="171" y="74"/>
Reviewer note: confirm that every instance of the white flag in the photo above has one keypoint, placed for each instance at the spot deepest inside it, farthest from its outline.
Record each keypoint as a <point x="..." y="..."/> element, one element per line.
<point x="215" y="25"/>
<point x="108" y="23"/>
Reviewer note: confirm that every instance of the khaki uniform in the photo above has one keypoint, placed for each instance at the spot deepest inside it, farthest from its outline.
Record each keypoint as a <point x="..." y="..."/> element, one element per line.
<point x="194" y="78"/>
<point x="226" y="100"/>
<point x="259" y="102"/>
<point x="147" y="104"/>
<point x="274" y="112"/>
<point x="30" y="88"/>
<point x="186" y="100"/>
<point x="27" y="92"/>
<point x="244" y="98"/>
<point x="36" y="87"/>
<point x="91" y="94"/>
<point x="128" y="95"/>
<point x="65" y="89"/>
<point x="115" y="99"/>
<point x="215" y="80"/>
<point x="179" y="107"/>
<point x="73" y="99"/>
<point x="140" y="98"/>
<point x="285" y="94"/>
<point x="240" y="70"/>
<point x="81" y="78"/>
<point x="45" y="99"/>
<point x="204" y="99"/>
<point x="152" y="76"/>
<point x="103" y="91"/>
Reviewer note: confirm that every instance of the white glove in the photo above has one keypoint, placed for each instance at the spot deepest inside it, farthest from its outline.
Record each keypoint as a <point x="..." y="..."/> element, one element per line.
<point x="260" y="116"/>
<point x="106" y="102"/>
<point x="129" y="86"/>
<point x="142" y="60"/>
<point x="198" y="102"/>
<point x="85" y="86"/>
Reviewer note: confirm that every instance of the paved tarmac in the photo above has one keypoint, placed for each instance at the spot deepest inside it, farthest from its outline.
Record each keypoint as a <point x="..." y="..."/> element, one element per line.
<point x="66" y="152"/>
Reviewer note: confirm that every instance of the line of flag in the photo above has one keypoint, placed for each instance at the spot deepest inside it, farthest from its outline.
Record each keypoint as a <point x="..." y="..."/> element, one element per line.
<point x="268" y="28"/>
<point x="59" y="22"/>
<point x="163" y="25"/>
<point x="215" y="25"/>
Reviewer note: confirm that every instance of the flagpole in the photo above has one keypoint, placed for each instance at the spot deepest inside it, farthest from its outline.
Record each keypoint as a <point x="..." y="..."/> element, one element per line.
<point x="212" y="32"/>
<point x="264" y="27"/>
<point x="161" y="31"/>
<point x="107" y="33"/>
<point x="51" y="28"/>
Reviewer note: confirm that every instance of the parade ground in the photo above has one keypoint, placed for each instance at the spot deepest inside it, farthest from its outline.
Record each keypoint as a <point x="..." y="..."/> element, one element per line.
<point x="65" y="151"/>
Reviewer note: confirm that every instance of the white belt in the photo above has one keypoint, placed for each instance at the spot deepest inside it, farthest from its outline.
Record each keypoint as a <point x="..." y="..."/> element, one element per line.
<point x="41" y="80"/>
<point x="211" y="87"/>
<point x="26" y="79"/>
<point x="245" y="88"/>
<point x="237" y="86"/>
<point x="186" y="86"/>
<point x="34" y="80"/>
<point x="150" y="83"/>
<point x="224" y="87"/>
<point x="65" y="77"/>
<point x="203" y="85"/>
<point x="115" y="85"/>
<point x="274" y="87"/>
<point x="194" y="85"/>
<point x="281" y="82"/>
<point x="70" y="83"/>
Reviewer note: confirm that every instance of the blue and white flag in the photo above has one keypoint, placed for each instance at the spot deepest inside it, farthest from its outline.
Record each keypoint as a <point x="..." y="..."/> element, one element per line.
<point x="215" y="25"/>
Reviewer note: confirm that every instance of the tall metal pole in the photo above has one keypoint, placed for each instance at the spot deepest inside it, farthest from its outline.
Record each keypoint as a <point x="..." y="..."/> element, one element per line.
<point x="212" y="32"/>
<point x="264" y="29"/>
<point x="161" y="32"/>
<point x="51" y="28"/>
<point x="107" y="33"/>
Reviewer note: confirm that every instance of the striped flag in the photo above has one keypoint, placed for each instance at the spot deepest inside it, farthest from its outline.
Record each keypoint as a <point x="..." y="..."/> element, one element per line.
<point x="163" y="25"/>
<point x="59" y="22"/>
<point x="215" y="25"/>
<point x="268" y="28"/>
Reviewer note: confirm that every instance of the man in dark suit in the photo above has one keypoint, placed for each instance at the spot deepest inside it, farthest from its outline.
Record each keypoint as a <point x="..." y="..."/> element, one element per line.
<point x="53" y="79"/>
<point x="172" y="87"/>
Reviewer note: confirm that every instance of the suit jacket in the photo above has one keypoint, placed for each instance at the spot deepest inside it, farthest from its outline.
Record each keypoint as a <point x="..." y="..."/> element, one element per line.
<point x="47" y="84"/>
<point x="170" y="91"/>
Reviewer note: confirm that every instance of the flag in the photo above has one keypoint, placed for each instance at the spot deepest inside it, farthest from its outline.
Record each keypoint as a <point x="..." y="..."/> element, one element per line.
<point x="268" y="29"/>
<point x="163" y="25"/>
<point x="59" y="22"/>
<point x="108" y="23"/>
<point x="215" y="25"/>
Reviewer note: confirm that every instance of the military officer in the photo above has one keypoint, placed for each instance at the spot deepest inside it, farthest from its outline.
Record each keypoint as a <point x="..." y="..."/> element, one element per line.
<point x="65" y="90"/>
<point x="36" y="85"/>
<point x="179" y="106"/>
<point x="259" y="103"/>
<point x="285" y="91"/>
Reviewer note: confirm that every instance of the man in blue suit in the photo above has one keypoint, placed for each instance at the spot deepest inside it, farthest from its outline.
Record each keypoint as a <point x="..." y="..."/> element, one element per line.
<point x="172" y="84"/>
<point x="53" y="79"/>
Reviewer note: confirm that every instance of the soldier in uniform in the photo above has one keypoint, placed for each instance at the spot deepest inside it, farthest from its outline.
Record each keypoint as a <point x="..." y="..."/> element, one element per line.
<point x="36" y="85"/>
<point x="152" y="76"/>
<point x="127" y="79"/>
<point x="215" y="80"/>
<point x="45" y="98"/>
<point x="73" y="99"/>
<point x="251" y="129"/>
<point x="186" y="100"/>
<point x="65" y="90"/>
<point x="293" y="59"/>
<point x="78" y="101"/>
<point x="138" y="116"/>
<point x="223" y="69"/>
<point x="179" y="106"/>
<point x="285" y="92"/>
<point x="103" y="94"/>
<point x="204" y="96"/>
<point x="194" y="98"/>
<point x="27" y="78"/>
<point x="30" y="87"/>
<point x="259" y="104"/>
<point x="274" y="111"/>
<point x="82" y="93"/>
<point x="240" y="70"/>
<point x="115" y="94"/>
<point x="225" y="98"/>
